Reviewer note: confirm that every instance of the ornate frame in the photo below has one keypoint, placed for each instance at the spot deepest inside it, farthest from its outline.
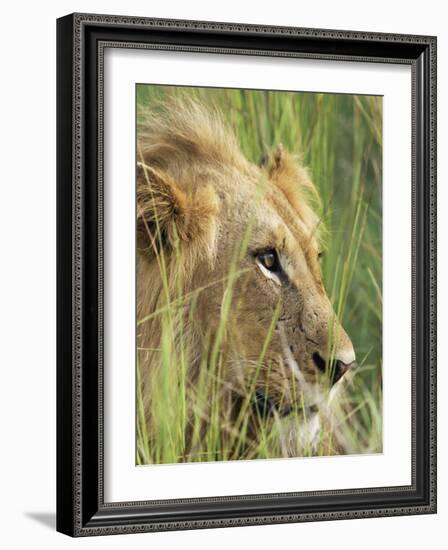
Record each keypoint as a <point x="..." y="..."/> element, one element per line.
<point x="81" y="39"/>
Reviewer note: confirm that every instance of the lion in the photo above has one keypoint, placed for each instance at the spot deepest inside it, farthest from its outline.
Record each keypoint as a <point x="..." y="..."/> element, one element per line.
<point x="234" y="322"/>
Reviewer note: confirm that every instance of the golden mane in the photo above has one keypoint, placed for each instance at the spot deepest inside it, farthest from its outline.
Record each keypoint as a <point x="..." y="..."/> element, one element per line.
<point x="177" y="133"/>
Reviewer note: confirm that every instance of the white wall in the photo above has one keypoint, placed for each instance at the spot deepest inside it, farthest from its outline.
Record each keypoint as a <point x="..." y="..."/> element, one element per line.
<point x="27" y="218"/>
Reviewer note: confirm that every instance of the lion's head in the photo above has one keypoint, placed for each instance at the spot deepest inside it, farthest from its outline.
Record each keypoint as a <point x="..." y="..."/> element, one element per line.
<point x="243" y="242"/>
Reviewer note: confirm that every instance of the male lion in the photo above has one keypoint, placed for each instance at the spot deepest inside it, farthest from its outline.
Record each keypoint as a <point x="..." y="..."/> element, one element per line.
<point x="238" y="344"/>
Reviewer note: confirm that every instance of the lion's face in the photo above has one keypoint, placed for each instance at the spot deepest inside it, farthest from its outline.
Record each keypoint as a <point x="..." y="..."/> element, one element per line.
<point x="286" y="345"/>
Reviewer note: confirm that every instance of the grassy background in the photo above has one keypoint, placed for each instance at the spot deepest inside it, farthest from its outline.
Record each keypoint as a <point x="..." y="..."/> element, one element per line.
<point x="339" y="138"/>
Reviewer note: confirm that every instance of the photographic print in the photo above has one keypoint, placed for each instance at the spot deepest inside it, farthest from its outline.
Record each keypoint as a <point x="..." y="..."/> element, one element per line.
<point x="259" y="274"/>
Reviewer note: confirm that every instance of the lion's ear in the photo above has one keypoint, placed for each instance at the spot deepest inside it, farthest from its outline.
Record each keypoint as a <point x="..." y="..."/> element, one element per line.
<point x="290" y="176"/>
<point x="167" y="215"/>
<point x="284" y="173"/>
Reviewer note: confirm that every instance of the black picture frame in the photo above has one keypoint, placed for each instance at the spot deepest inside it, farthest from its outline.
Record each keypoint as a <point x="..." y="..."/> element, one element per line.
<point x="81" y="39"/>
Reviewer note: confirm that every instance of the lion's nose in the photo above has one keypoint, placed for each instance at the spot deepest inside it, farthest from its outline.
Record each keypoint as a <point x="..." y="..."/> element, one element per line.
<point x="339" y="370"/>
<point x="336" y="369"/>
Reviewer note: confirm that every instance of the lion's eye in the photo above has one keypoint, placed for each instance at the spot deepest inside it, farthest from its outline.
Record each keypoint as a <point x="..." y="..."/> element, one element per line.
<point x="269" y="260"/>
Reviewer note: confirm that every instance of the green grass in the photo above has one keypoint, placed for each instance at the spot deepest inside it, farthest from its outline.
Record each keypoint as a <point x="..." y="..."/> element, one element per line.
<point x="339" y="139"/>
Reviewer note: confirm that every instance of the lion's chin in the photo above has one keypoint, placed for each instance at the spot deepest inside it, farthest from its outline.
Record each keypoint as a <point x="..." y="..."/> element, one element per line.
<point x="298" y="437"/>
